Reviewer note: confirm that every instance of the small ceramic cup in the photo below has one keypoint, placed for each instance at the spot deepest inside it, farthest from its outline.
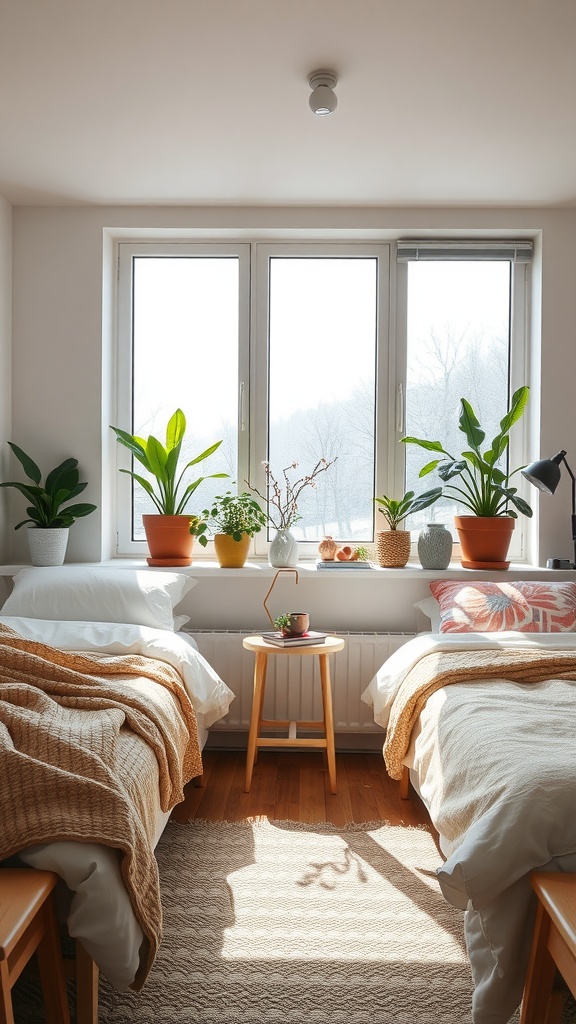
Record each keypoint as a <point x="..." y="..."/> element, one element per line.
<point x="299" y="623"/>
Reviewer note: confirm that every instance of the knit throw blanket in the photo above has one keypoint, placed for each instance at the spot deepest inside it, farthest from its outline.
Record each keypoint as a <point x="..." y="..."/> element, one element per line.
<point x="441" y="668"/>
<point x="86" y="743"/>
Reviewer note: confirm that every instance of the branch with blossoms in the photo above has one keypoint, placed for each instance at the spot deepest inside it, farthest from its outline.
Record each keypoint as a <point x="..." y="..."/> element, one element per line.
<point x="282" y="498"/>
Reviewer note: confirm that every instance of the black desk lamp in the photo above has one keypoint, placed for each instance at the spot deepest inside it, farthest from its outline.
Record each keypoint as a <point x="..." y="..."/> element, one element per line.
<point x="545" y="475"/>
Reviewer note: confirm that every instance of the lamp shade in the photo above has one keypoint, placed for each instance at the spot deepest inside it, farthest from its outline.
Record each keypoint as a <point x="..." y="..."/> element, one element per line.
<point x="545" y="474"/>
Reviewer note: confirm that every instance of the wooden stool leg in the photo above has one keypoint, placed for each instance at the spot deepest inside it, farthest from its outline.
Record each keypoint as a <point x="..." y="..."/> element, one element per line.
<point x="257" y="704"/>
<point x="86" y="987"/>
<point x="541" y="971"/>
<point x="328" y="719"/>
<point x="405" y="784"/>
<point x="51" y="969"/>
<point x="6" y="1012"/>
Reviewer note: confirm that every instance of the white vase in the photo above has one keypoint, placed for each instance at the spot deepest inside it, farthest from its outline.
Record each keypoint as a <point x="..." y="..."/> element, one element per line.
<point x="47" y="547"/>
<point x="283" y="550"/>
<point x="434" y="546"/>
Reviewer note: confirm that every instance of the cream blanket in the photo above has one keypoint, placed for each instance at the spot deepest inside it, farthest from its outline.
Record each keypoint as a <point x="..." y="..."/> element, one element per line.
<point x="441" y="668"/>
<point x="85" y="740"/>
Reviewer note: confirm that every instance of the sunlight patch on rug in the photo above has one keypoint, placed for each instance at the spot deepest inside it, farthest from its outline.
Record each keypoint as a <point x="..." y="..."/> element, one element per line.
<point x="345" y="897"/>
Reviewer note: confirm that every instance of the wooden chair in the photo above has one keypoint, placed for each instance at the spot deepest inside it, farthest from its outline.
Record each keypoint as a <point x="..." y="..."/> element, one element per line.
<point x="553" y="947"/>
<point x="28" y="926"/>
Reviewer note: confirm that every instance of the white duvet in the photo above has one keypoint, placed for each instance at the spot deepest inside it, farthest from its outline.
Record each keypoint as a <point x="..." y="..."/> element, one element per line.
<point x="495" y="762"/>
<point x="100" y="913"/>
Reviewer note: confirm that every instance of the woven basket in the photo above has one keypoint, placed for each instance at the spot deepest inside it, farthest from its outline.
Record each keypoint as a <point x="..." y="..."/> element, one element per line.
<point x="393" y="548"/>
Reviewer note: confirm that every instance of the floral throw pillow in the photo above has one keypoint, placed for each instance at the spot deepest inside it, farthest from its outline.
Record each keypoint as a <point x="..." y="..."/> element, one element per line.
<point x="526" y="606"/>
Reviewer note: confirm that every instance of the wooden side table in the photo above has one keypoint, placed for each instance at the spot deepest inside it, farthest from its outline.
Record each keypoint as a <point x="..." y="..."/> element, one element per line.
<point x="262" y="650"/>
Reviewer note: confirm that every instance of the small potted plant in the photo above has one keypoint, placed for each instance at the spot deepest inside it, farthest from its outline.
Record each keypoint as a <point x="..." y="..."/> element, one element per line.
<point x="234" y="519"/>
<point x="394" y="544"/>
<point x="292" y="623"/>
<point x="170" y="533"/>
<point x="48" y="520"/>
<point x="476" y="482"/>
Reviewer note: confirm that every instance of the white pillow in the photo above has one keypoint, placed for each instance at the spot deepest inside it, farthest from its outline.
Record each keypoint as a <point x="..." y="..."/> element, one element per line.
<point x="143" y="597"/>
<point x="431" y="609"/>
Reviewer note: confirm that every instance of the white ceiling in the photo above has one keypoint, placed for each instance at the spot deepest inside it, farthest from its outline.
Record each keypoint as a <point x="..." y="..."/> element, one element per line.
<point x="440" y="102"/>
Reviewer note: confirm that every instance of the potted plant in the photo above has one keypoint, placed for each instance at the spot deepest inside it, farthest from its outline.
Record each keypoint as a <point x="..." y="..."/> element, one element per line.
<point x="48" y="520"/>
<point x="170" y="533"/>
<point x="235" y="518"/>
<point x="282" y="505"/>
<point x="292" y="623"/>
<point x="477" y="482"/>
<point x="394" y="544"/>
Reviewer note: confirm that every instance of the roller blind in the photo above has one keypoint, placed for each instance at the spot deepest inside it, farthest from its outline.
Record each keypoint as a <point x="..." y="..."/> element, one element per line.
<point x="428" y="249"/>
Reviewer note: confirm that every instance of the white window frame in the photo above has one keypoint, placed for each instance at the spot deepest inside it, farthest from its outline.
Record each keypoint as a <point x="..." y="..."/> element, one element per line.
<point x="254" y="256"/>
<point x="519" y="355"/>
<point x="261" y="314"/>
<point x="126" y="252"/>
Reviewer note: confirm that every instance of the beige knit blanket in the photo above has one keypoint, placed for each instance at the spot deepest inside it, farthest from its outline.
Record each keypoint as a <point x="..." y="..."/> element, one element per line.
<point x="86" y="743"/>
<point x="441" y="668"/>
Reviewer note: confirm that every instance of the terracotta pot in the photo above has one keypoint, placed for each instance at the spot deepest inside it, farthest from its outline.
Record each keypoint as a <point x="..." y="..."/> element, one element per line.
<point x="169" y="539"/>
<point x="231" y="554"/>
<point x="393" y="548"/>
<point x="484" y="541"/>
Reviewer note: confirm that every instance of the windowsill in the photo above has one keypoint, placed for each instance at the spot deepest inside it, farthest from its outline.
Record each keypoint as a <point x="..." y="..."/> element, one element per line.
<point x="413" y="570"/>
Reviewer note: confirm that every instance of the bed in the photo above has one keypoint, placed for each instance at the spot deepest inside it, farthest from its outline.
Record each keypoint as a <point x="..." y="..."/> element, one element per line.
<point x="101" y="651"/>
<point x="482" y="714"/>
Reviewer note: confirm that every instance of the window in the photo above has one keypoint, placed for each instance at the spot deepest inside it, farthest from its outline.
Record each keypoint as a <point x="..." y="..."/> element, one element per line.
<point x="283" y="352"/>
<point x="465" y="334"/>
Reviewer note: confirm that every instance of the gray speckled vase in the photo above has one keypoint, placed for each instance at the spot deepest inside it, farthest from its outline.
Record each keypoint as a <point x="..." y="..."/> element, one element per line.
<point x="434" y="546"/>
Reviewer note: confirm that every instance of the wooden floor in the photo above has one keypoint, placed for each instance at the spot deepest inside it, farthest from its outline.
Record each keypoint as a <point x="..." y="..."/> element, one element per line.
<point x="293" y="786"/>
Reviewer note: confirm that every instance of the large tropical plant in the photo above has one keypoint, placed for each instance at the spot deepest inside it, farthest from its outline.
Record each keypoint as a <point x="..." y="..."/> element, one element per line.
<point x="171" y="493"/>
<point x="46" y="499"/>
<point x="480" y="484"/>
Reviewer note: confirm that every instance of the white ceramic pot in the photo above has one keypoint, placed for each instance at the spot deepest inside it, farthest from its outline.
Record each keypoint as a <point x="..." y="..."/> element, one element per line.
<point x="47" y="547"/>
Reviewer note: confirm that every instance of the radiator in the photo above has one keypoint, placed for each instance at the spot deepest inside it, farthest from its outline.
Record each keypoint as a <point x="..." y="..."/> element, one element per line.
<point x="293" y="684"/>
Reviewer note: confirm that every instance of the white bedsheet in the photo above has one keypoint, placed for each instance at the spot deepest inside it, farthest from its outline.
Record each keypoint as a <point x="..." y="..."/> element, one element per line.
<point x="100" y="913"/>
<point x="504" y="795"/>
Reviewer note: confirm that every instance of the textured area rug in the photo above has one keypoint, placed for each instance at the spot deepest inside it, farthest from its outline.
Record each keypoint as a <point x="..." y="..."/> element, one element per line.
<point x="280" y="923"/>
<point x="277" y="922"/>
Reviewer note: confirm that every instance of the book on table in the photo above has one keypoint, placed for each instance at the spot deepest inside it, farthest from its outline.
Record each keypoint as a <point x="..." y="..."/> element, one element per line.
<point x="277" y="639"/>
<point x="336" y="564"/>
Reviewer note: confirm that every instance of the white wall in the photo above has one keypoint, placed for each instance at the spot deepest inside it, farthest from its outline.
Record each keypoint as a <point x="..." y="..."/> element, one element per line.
<point x="5" y="365"/>
<point x="63" y="331"/>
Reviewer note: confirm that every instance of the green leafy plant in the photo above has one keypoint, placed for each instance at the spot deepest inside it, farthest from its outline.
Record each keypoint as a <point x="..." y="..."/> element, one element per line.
<point x="46" y="499"/>
<point x="483" y="488"/>
<point x="396" y="510"/>
<point x="361" y="553"/>
<point x="282" y="621"/>
<point x="233" y="515"/>
<point x="171" y="494"/>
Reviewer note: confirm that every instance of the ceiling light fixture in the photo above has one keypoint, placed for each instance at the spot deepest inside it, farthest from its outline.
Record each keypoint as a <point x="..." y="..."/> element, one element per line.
<point x="322" y="100"/>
